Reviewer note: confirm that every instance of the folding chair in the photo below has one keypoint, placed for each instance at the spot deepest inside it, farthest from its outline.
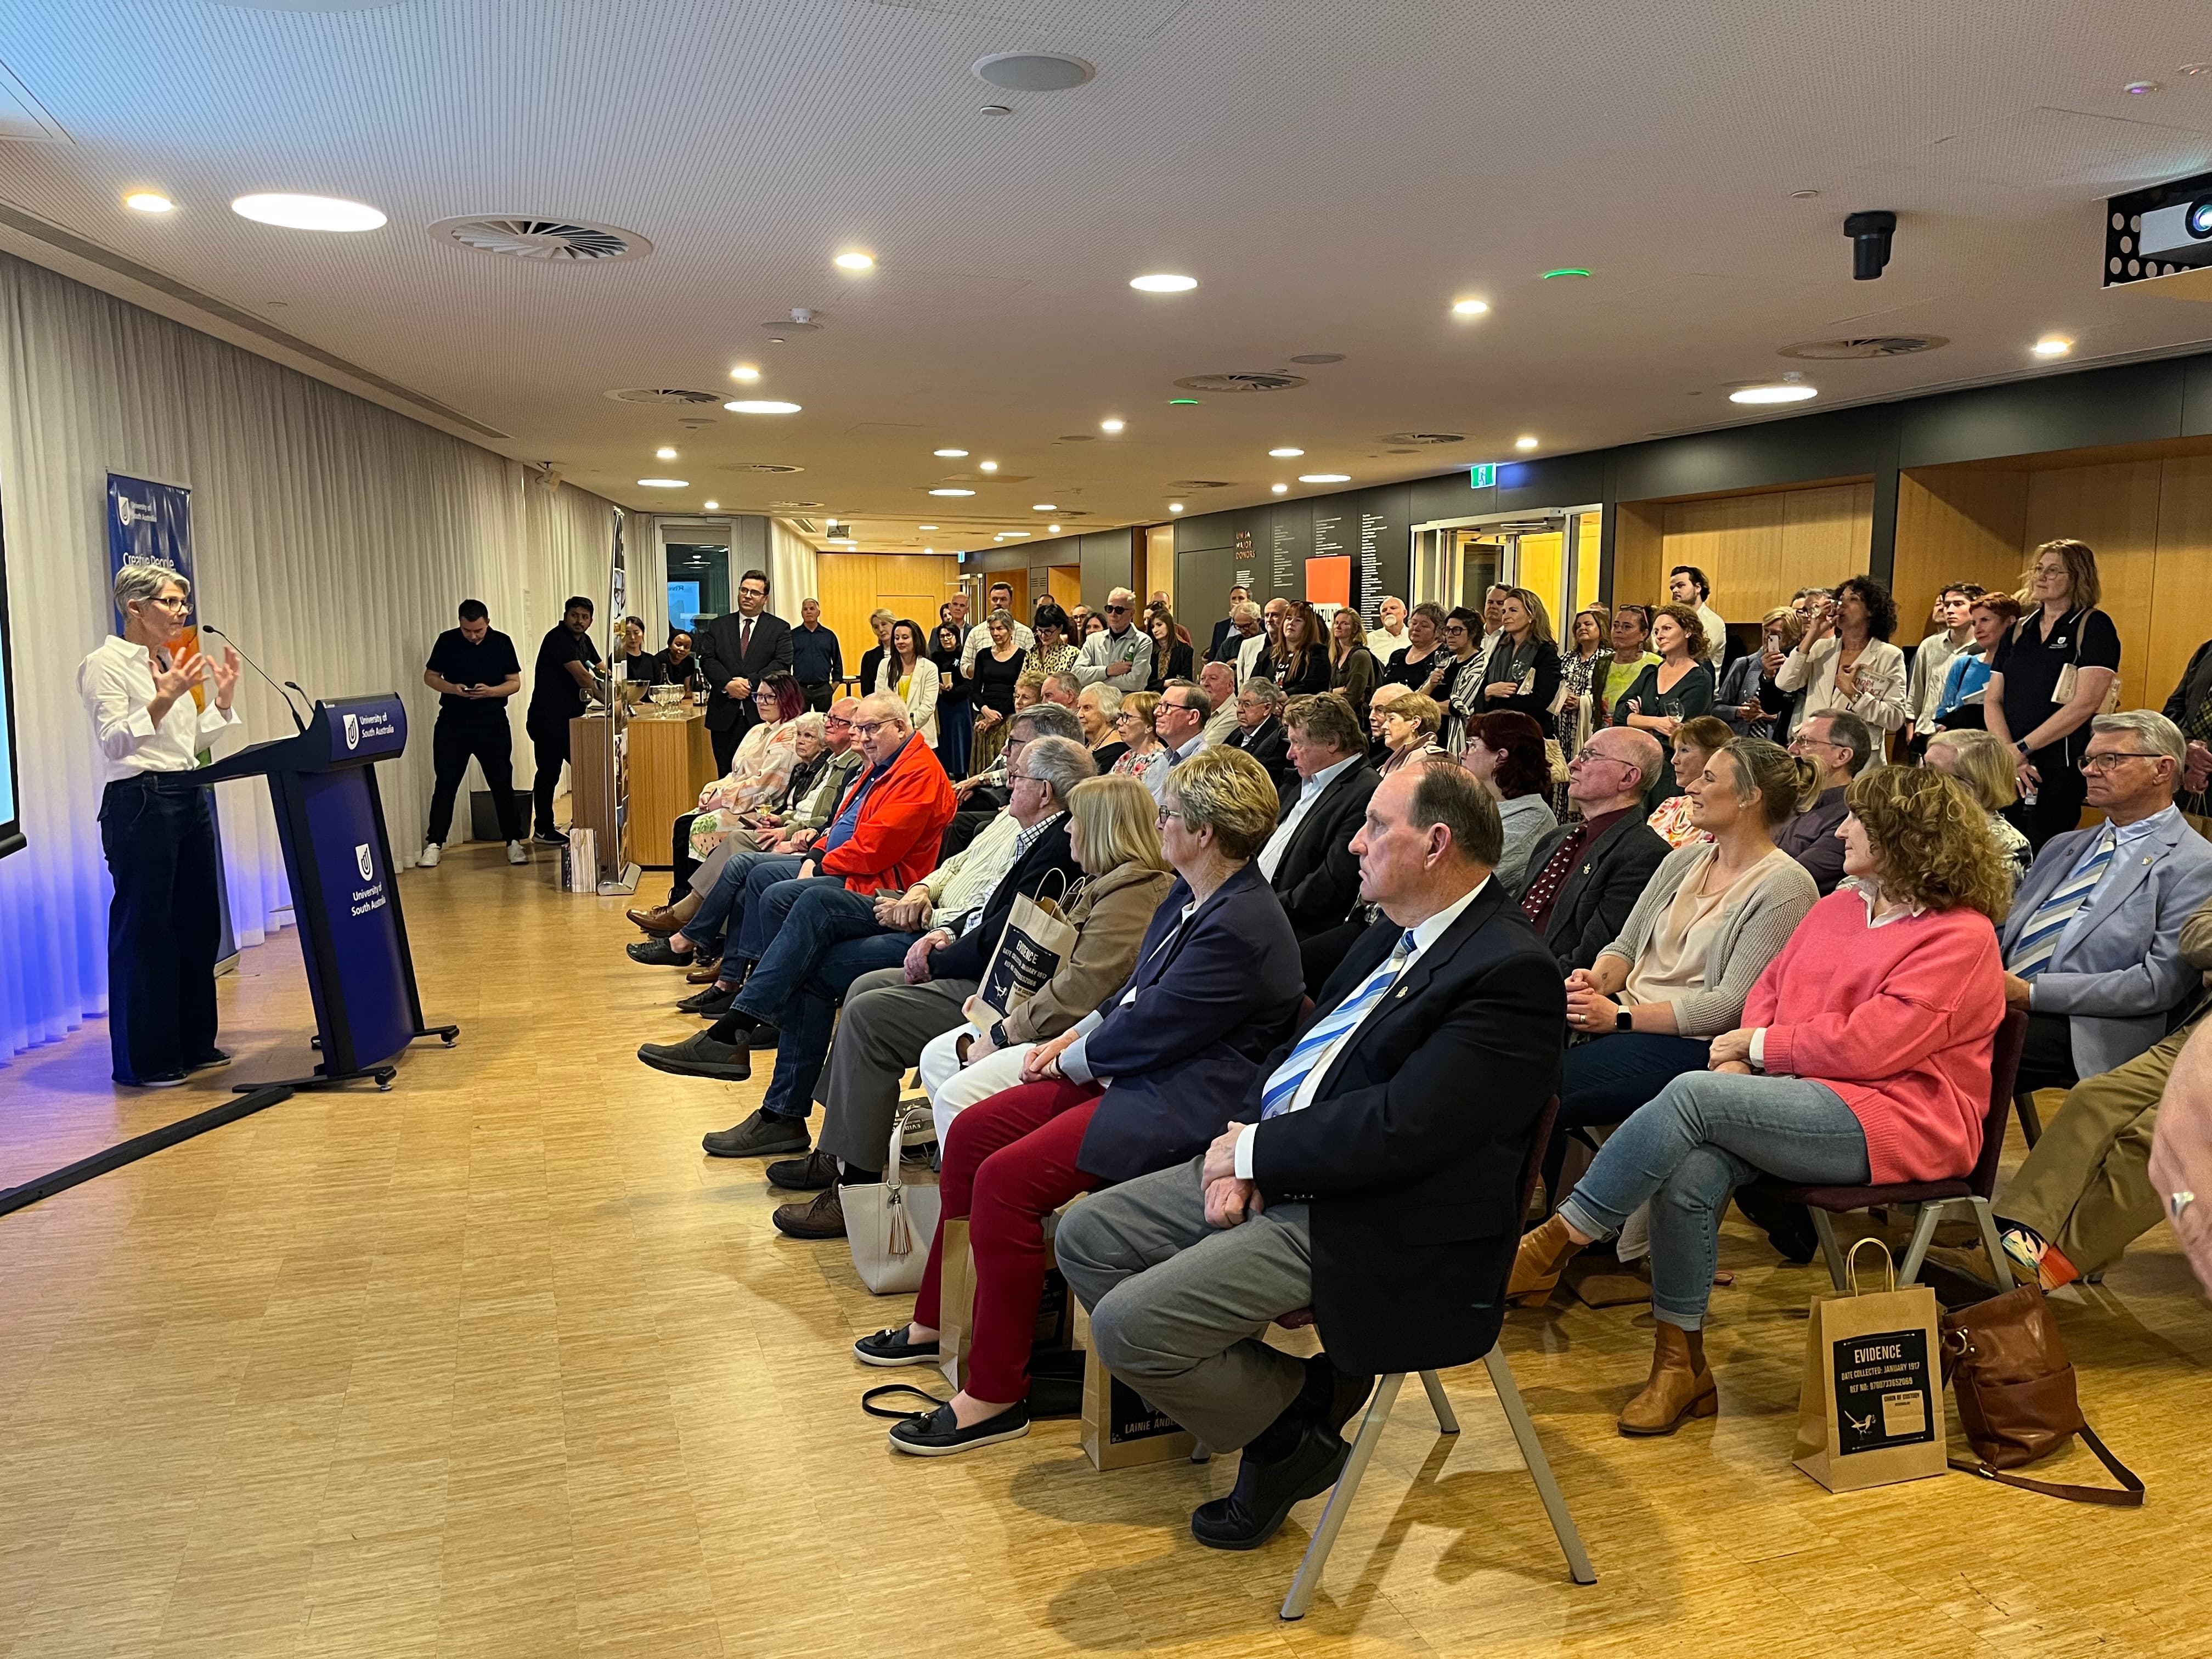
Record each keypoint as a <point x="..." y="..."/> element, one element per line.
<point x="1509" y="1397"/>
<point x="1936" y="1199"/>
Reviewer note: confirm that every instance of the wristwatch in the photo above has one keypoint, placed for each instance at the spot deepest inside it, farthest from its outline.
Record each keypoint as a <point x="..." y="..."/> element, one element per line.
<point x="2021" y="744"/>
<point x="1624" y="1021"/>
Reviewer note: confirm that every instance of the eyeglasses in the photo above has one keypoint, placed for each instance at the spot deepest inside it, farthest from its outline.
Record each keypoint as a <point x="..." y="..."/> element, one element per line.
<point x="2112" y="757"/>
<point x="838" y="719"/>
<point x="1800" y="742"/>
<point x="868" y="728"/>
<point x="1167" y="812"/>
<point x="175" y="606"/>
<point x="1600" y="755"/>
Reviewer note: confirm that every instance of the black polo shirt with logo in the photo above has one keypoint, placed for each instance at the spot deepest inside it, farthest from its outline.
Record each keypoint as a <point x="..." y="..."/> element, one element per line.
<point x="489" y="661"/>
<point x="2031" y="662"/>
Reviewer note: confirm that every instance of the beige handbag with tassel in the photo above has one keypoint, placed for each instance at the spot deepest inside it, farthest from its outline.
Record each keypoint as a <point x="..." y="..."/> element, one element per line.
<point x="889" y="1224"/>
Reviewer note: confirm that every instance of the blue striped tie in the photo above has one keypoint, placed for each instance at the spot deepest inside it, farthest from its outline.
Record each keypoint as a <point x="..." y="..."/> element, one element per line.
<point x="2031" y="952"/>
<point x="1284" y="1086"/>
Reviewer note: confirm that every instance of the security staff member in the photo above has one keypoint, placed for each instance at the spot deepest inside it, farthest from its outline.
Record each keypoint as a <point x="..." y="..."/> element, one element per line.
<point x="156" y="830"/>
<point x="474" y="670"/>
<point x="566" y="661"/>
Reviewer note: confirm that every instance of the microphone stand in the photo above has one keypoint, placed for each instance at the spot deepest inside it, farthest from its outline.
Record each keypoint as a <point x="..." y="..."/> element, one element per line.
<point x="298" y="723"/>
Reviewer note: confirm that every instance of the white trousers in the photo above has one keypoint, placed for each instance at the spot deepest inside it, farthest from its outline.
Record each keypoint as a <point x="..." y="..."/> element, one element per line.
<point x="953" y="1088"/>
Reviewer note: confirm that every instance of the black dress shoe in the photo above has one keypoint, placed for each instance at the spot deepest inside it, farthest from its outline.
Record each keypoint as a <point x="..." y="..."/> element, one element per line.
<point x="940" y="1434"/>
<point x="213" y="1060"/>
<point x="714" y="1002"/>
<point x="763" y="1036"/>
<point x="153" y="1080"/>
<point x="762" y="1135"/>
<point x="655" y="953"/>
<point x="701" y="1056"/>
<point x="890" y="1347"/>
<point x="810" y="1174"/>
<point x="1256" y="1508"/>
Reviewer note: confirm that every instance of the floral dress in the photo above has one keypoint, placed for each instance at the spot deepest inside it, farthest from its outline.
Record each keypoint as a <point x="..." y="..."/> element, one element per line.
<point x="760" y="772"/>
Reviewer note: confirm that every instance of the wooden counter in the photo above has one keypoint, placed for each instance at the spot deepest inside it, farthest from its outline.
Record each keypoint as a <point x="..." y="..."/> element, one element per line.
<point x="671" y="761"/>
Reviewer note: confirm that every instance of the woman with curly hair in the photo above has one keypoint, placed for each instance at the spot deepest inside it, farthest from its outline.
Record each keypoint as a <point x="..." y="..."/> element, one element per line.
<point x="1863" y="1057"/>
<point x="1846" y="662"/>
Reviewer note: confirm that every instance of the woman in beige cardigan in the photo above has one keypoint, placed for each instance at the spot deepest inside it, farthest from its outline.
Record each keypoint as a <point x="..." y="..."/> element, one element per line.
<point x="1845" y="660"/>
<point x="1712" y="916"/>
<point x="1113" y="830"/>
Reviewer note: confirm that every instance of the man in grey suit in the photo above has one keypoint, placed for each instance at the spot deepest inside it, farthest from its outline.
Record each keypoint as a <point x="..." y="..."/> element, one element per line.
<point x="2092" y="945"/>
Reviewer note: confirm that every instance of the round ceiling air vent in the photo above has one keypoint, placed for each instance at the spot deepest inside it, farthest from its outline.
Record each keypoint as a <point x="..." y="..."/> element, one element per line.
<point x="1320" y="357"/>
<point x="664" y="397"/>
<point x="549" y="241"/>
<point x="1033" y="71"/>
<point x="1422" y="438"/>
<point x="1864" y="346"/>
<point x="762" y="467"/>
<point x="1242" y="382"/>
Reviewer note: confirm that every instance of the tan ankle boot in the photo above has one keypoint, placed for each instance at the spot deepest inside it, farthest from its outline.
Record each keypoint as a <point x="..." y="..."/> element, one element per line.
<point x="1536" y="1265"/>
<point x="1680" y="1385"/>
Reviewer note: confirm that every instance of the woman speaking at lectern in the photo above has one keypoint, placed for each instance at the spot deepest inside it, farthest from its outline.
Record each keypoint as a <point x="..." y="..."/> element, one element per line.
<point x="156" y="830"/>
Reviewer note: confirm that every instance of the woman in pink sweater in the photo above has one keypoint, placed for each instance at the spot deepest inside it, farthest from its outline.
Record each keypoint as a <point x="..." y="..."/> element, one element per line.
<point x="1864" y="1056"/>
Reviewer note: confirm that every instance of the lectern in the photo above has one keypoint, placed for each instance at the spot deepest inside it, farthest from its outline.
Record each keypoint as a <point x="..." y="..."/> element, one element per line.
<point x="353" y="937"/>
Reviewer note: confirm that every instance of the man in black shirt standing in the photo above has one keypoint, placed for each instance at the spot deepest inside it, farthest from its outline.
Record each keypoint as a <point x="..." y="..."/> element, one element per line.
<point x="817" y="663"/>
<point x="474" y="670"/>
<point x="566" y="659"/>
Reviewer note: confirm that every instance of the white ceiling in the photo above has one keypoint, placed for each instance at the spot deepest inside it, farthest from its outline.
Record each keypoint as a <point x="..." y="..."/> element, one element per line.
<point x="1335" y="173"/>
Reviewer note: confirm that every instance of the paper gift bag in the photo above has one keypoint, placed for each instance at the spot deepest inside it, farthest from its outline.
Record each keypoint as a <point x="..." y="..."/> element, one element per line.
<point x="1037" y="939"/>
<point x="1121" y="1430"/>
<point x="1870" y="1411"/>
<point x="956" y="1298"/>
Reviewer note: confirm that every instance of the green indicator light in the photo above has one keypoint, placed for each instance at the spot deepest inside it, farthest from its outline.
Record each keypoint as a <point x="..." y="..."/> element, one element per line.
<point x="1564" y="270"/>
<point x="1173" y="401"/>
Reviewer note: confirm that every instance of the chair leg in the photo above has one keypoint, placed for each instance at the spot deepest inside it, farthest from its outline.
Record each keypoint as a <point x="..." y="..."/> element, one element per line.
<point x="1923" y="1235"/>
<point x="1539" y="1466"/>
<point x="1316" y="1561"/>
<point x="1993" y="1243"/>
<point x="1832" y="1252"/>
<point x="1446" y="1423"/>
<point x="2031" y="1120"/>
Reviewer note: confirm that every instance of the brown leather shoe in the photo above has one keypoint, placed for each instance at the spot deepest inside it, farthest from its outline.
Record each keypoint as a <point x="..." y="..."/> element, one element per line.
<point x="1536" y="1265"/>
<point x="1680" y="1385"/>
<point x="705" y="973"/>
<point x="661" y="920"/>
<point x="822" y="1217"/>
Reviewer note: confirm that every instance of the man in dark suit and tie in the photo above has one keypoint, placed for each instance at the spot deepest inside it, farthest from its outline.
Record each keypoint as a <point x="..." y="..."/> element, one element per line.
<point x="1309" y="859"/>
<point x="1259" y="732"/>
<point x="737" y="652"/>
<point x="1364" y="1178"/>
<point x="1585" y="875"/>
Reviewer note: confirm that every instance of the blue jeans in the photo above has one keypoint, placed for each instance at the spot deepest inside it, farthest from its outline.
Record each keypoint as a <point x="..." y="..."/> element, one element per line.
<point x="810" y="1015"/>
<point x="1609" y="1077"/>
<point x="802" y="921"/>
<point x="726" y="901"/>
<point x="1705" y="1135"/>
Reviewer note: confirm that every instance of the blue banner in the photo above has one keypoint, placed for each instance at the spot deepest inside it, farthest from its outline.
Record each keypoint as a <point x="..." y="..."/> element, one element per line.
<point x="149" y="523"/>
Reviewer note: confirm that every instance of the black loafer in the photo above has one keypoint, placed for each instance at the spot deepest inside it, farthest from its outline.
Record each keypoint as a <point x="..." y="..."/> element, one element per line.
<point x="763" y="1036"/>
<point x="1256" y="1510"/>
<point x="714" y="1002"/>
<point x="810" y="1174"/>
<point x="700" y="1055"/>
<point x="762" y="1135"/>
<point x="890" y="1347"/>
<point x="940" y="1435"/>
<point x="655" y="953"/>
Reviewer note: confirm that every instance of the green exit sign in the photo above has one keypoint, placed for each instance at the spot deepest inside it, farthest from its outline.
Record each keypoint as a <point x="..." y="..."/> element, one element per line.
<point x="1482" y="477"/>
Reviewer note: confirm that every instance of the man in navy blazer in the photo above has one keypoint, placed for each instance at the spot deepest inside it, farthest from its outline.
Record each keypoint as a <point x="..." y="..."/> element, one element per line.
<point x="1259" y="732"/>
<point x="1373" y="1174"/>
<point x="2092" y="943"/>
<point x="1309" y="859"/>
<point x="737" y="651"/>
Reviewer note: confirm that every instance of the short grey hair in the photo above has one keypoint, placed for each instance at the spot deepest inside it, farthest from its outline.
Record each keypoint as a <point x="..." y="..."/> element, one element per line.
<point x="1266" y="690"/>
<point x="1848" y="733"/>
<point x="2147" y="727"/>
<point x="998" y="617"/>
<point x="812" y="724"/>
<point x="1109" y="696"/>
<point x="1244" y="611"/>
<point x="1059" y="764"/>
<point x="889" y="705"/>
<point x="1114" y="593"/>
<point x="1047" y="719"/>
<point x="1067" y="682"/>
<point x="144" y="582"/>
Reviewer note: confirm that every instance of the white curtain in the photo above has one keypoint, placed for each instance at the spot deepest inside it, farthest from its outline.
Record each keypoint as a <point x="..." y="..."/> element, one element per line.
<point x="333" y="537"/>
<point x="791" y="569"/>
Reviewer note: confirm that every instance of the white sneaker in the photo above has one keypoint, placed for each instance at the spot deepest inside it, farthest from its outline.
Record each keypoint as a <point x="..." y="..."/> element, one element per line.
<point x="429" y="859"/>
<point x="517" y="853"/>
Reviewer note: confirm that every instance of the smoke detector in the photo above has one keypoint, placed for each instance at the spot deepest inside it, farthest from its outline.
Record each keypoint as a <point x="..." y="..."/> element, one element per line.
<point x="1247" y="382"/>
<point x="666" y="396"/>
<point x="549" y="241"/>
<point x="803" y="320"/>
<point x="1422" y="438"/>
<point x="1864" y="346"/>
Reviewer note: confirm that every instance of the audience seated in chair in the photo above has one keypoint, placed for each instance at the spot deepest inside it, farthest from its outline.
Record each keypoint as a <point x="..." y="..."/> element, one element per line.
<point x="1143" y="1082"/>
<point x="1364" y="1178"/>
<point x="1841" y="746"/>
<point x="1874" y="1029"/>
<point x="1977" y="760"/>
<point x="1585" y="877"/>
<point x="1259" y="732"/>
<point x="2093" y="947"/>
<point x="1506" y="749"/>
<point x="1308" y="859"/>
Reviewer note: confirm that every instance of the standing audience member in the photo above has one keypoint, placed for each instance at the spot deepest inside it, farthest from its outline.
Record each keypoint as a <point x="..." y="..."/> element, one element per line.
<point x="1120" y="653"/>
<point x="561" y="684"/>
<point x="1740" y="700"/>
<point x="1172" y="656"/>
<point x="999" y="601"/>
<point x="1387" y="637"/>
<point x="1506" y="749"/>
<point x="1238" y="648"/>
<point x="2189" y="708"/>
<point x="737" y="652"/>
<point x="1585" y="877"/>
<point x="1308" y="859"/>
<point x="1522" y="674"/>
<point x="1260" y="728"/>
<point x="1984" y="766"/>
<point x="1456" y="681"/>
<point x="1632" y="655"/>
<point x="2048" y="676"/>
<point x="678" y="663"/>
<point x="994" y="671"/>
<point x="956" y="708"/>
<point x="1352" y="666"/>
<point x="1586" y="648"/>
<point x="1677" y="687"/>
<point x="629" y="660"/>
<point x="2091" y="948"/>
<point x="1924" y="688"/>
<point x="1840" y="747"/>
<point x="1845" y="662"/>
<point x="1873" y="1029"/>
<point x="1053" y="654"/>
<point x="474" y="670"/>
<point x="1414" y="663"/>
<point x="1225" y="627"/>
<point x="1695" y="743"/>
<point x="1361" y="1178"/>
<point x="1686" y="584"/>
<point x="1958" y="704"/>
<point x="1300" y="662"/>
<point x="907" y="673"/>
<point x="818" y="661"/>
<point x="871" y="659"/>
<point x="1219" y="681"/>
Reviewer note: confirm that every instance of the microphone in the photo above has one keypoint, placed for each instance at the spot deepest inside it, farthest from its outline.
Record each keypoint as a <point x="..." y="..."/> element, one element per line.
<point x="298" y="724"/>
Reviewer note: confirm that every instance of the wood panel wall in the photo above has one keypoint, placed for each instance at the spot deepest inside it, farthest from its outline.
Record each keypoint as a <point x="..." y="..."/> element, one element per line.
<point x="1756" y="549"/>
<point x="909" y="585"/>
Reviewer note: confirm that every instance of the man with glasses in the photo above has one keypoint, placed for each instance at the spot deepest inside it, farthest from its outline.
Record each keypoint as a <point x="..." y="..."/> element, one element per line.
<point x="1121" y="654"/>
<point x="1179" y="721"/>
<point x="736" y="653"/>
<point x="156" y="702"/>
<point x="1259" y="732"/>
<point x="1841" y="745"/>
<point x="2093" y="943"/>
<point x="1585" y="875"/>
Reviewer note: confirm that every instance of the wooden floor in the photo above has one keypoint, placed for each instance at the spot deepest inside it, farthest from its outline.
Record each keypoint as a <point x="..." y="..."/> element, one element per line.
<point x="499" y="1364"/>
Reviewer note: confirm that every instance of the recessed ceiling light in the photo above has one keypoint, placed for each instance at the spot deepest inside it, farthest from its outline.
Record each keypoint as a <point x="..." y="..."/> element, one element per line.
<point x="1054" y="528"/>
<point x="924" y="527"/>
<point x="1281" y="489"/>
<point x="929" y="549"/>
<point x="1016" y="534"/>
<point x="1175" y="507"/>
<point x="147" y="201"/>
<point x="1285" y="453"/>
<point x="1469" y="308"/>
<point x="745" y="372"/>
<point x="1163" y="283"/>
<point x="1790" y="392"/>
<point x="950" y="454"/>
<point x="1525" y="441"/>
<point x="1044" y="507"/>
<point x="308" y="212"/>
<point x="2052" y="345"/>
<point x="1564" y="270"/>
<point x="1324" y="478"/>
<point x="993" y="109"/>
<point x="1111" y="425"/>
<point x="761" y="406"/>
<point x="951" y="492"/>
<point x="987" y="466"/>
<point x="854" y="259"/>
<point x="712" y="506"/>
<point x="664" y="454"/>
<point x="663" y="483"/>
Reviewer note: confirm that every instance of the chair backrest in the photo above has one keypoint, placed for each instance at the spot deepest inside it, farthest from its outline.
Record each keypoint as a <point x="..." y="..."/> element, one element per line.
<point x="1531" y="1166"/>
<point x="2004" y="1068"/>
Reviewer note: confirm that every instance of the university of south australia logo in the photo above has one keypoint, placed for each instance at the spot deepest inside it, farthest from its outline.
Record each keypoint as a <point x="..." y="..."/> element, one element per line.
<point x="362" y="857"/>
<point x="353" y="731"/>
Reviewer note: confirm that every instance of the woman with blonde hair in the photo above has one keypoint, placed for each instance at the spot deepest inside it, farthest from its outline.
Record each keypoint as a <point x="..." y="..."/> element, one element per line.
<point x="1696" y="742"/>
<point x="1979" y="760"/>
<point x="2048" y="676"/>
<point x="1352" y="670"/>
<point x="1410" y="726"/>
<point x="1133" y="724"/>
<point x="1737" y="699"/>
<point x="1522" y="674"/>
<point x="1864" y="1058"/>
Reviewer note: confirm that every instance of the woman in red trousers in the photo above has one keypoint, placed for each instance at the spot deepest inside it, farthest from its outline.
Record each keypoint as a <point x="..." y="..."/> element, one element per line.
<point x="1145" y="1081"/>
